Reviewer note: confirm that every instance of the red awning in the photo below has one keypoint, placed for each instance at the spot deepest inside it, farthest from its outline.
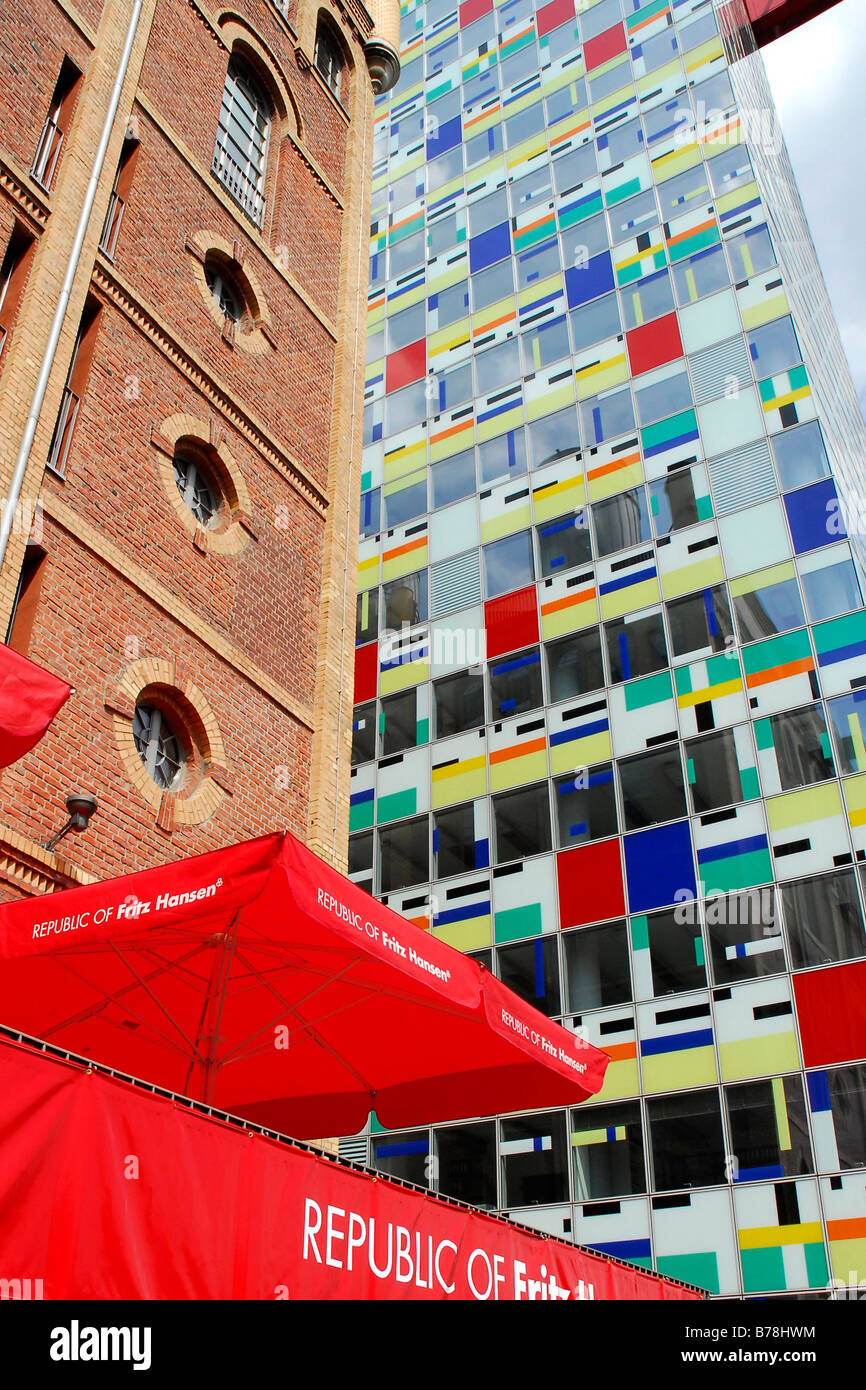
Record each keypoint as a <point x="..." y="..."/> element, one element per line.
<point x="262" y="981"/>
<point x="29" y="699"/>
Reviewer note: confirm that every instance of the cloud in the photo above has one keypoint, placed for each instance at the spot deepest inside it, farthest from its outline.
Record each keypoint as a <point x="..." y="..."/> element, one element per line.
<point x="816" y="74"/>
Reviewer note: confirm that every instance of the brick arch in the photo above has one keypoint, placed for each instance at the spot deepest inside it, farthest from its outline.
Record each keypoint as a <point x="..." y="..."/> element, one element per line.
<point x="241" y="40"/>
<point x="162" y="681"/>
<point x="232" y="538"/>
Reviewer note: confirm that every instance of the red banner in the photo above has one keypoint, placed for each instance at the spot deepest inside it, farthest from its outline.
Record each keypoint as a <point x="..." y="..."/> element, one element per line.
<point x="108" y="1191"/>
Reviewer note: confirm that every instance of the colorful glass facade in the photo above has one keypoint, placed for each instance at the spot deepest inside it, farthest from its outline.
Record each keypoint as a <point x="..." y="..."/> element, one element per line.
<point x="611" y="637"/>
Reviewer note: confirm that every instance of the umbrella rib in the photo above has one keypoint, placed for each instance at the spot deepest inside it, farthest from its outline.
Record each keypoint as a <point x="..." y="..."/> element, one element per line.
<point x="107" y="998"/>
<point x="131" y="968"/>
<point x="310" y="1028"/>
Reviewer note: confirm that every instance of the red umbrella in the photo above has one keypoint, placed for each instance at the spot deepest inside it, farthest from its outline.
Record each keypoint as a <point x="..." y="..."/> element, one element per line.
<point x="263" y="982"/>
<point x="29" y="699"/>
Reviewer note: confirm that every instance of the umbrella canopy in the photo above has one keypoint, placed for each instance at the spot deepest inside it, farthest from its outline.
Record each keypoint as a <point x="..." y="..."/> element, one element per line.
<point x="260" y="980"/>
<point x="29" y="699"/>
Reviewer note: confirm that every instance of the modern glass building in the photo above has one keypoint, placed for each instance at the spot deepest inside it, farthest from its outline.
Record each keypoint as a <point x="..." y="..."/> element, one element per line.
<point x="611" y="656"/>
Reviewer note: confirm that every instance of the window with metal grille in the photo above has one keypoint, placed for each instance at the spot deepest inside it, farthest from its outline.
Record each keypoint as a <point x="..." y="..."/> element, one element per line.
<point x="241" y="149"/>
<point x="224" y="291"/>
<point x="196" y="487"/>
<point x="158" y="746"/>
<point x="329" y="59"/>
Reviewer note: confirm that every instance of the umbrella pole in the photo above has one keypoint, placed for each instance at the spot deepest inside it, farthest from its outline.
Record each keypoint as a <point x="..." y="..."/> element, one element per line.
<point x="209" y="1024"/>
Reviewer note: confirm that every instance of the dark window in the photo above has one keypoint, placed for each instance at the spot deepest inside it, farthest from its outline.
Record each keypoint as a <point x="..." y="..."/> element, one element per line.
<point x="823" y="920"/>
<point x="458" y="703"/>
<point x="585" y="806"/>
<point x="534" y="1161"/>
<point x="687" y="1146"/>
<point x="596" y="967"/>
<point x="769" y="1129"/>
<point x="361" y="859"/>
<point x="765" y="611"/>
<point x="563" y="544"/>
<point x="26" y="599"/>
<point x="467" y="1163"/>
<point x="398" y="722"/>
<point x="197" y="486"/>
<point x="119" y="195"/>
<point x="159" y="746"/>
<point x="676" y="953"/>
<point x="14" y="271"/>
<point x="801" y="747"/>
<point x="531" y="969"/>
<point x="652" y="788"/>
<point x="405" y="601"/>
<point x="57" y="124"/>
<point x="714" y="771"/>
<point x="744" y="933"/>
<point x="673" y="502"/>
<point x="847" y="1087"/>
<point x="515" y="684"/>
<point x="607" y="1143"/>
<point x="328" y="58"/>
<point x="364" y="733"/>
<point x="700" y="622"/>
<point x="405" y="1155"/>
<point x="521" y="821"/>
<point x="574" y="665"/>
<point x="621" y="521"/>
<point x="454" y="840"/>
<point x="404" y="855"/>
<point x="73" y="391"/>
<point x="367" y="616"/>
<point x="635" y="647"/>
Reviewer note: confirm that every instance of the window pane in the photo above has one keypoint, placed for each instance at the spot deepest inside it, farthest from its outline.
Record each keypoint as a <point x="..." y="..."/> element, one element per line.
<point x="700" y="275"/>
<point x="800" y="455"/>
<point x="364" y="733"/>
<point x="458" y="703"/>
<point x="404" y="1155"/>
<point x="585" y="806"/>
<point x="846" y="716"/>
<point x="673" y="503"/>
<point x="467" y="1163"/>
<point x="405" y="600"/>
<point x="370" y="512"/>
<point x="775" y="608"/>
<point x="545" y="345"/>
<point x="553" y="436"/>
<point x="574" y="665"/>
<point x="647" y="299"/>
<point x="847" y="1087"/>
<point x="404" y="857"/>
<point x="687" y="1146"/>
<point x="503" y="457"/>
<point x="367" y="616"/>
<point x="361" y="859"/>
<point x="534" y="1161"/>
<point x="521" y="822"/>
<point x="621" y="521"/>
<point x="769" y="1129"/>
<point x="676" y="954"/>
<point x="398" y="722"/>
<point x="700" y="622"/>
<point x="774" y="347"/>
<point x="607" y="1145"/>
<point x="633" y="217"/>
<point x="454" y="840"/>
<point x="531" y="969"/>
<point x="823" y="921"/>
<point x="595" y="321"/>
<point x="492" y="284"/>
<point x="714" y="771"/>
<point x="751" y="253"/>
<point x="652" y="788"/>
<point x="683" y="192"/>
<point x="831" y="590"/>
<point x="407" y="503"/>
<point x="635" y="647"/>
<point x="801" y="747"/>
<point x="664" y="393"/>
<point x="604" y="417"/>
<point x="745" y="935"/>
<point x="563" y="544"/>
<point x="497" y="367"/>
<point x="515" y="685"/>
<point x="508" y="564"/>
<point x="596" y="967"/>
<point x="453" y="478"/>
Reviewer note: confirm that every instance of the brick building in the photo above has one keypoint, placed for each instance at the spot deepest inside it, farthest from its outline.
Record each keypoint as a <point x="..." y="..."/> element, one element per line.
<point x="183" y="195"/>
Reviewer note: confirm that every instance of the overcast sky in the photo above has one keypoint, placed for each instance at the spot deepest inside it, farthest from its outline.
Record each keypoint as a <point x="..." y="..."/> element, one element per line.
<point x="817" y="76"/>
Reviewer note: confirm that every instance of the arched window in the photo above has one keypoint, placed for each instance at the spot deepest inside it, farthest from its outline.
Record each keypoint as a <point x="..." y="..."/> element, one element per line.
<point x="241" y="149"/>
<point x="328" y="57"/>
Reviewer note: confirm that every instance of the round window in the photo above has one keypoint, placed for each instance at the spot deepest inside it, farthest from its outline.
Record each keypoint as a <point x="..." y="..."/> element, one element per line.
<point x="158" y="746"/>
<point x="197" y="488"/>
<point x="225" y="293"/>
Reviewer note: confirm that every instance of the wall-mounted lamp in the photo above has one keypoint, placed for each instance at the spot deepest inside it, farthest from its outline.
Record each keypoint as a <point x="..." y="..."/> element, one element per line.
<point x="81" y="806"/>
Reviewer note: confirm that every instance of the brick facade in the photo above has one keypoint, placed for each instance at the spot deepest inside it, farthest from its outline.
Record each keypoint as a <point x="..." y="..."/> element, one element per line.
<point x="240" y="632"/>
